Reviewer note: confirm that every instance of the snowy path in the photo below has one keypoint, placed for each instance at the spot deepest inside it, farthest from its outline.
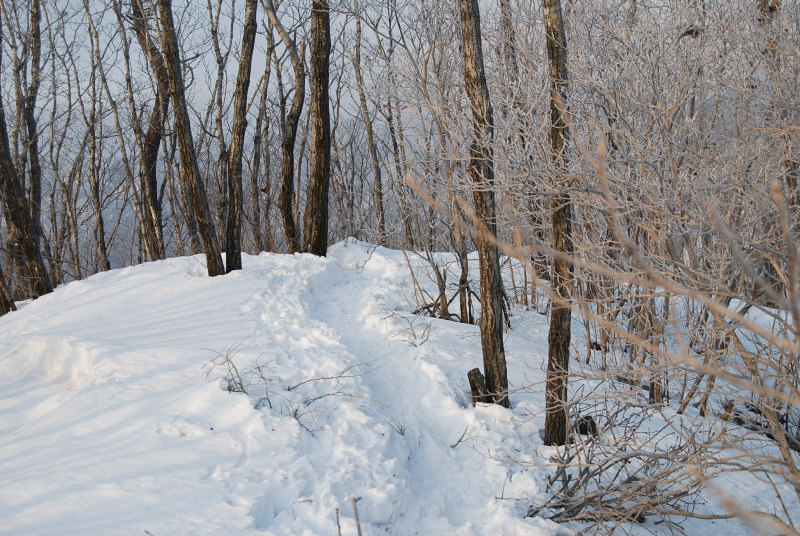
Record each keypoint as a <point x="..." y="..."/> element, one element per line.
<point x="108" y="424"/>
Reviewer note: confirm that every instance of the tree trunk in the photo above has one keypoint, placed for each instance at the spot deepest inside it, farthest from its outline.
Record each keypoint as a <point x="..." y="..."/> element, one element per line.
<point x="557" y="418"/>
<point x="477" y="384"/>
<point x="151" y="143"/>
<point x="233" y="232"/>
<point x="18" y="218"/>
<point x="285" y="199"/>
<point x="315" y="221"/>
<point x="481" y="170"/>
<point x="154" y="231"/>
<point x="32" y="131"/>
<point x="399" y="185"/>
<point x="183" y="129"/>
<point x="373" y="151"/>
<point x="533" y="204"/>
<point x="17" y="213"/>
<point x="261" y="142"/>
<point x="97" y="63"/>
<point x="6" y="300"/>
<point x="94" y="182"/>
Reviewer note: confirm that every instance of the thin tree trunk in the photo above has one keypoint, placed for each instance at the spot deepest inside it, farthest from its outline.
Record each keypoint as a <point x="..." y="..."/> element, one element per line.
<point x="221" y="172"/>
<point x="315" y="220"/>
<point x="481" y="170"/>
<point x="559" y="336"/>
<point x="261" y="142"/>
<point x="399" y="186"/>
<point x="373" y="151"/>
<point x="286" y="197"/>
<point x="32" y="132"/>
<point x="151" y="142"/>
<point x="154" y="230"/>
<point x="183" y="128"/>
<point x="123" y="153"/>
<point x="94" y="183"/>
<point x="233" y="233"/>
<point x="534" y="205"/>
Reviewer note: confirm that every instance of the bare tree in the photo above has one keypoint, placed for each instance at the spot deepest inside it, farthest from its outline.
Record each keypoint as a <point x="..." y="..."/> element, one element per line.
<point x="124" y="151"/>
<point x="481" y="170"/>
<point x="261" y="147"/>
<point x="233" y="235"/>
<point x="286" y="198"/>
<point x="185" y="143"/>
<point x="367" y="118"/>
<point x="93" y="120"/>
<point x="559" y="337"/>
<point x="18" y="214"/>
<point x="151" y="140"/>
<point x="315" y="220"/>
<point x="29" y="113"/>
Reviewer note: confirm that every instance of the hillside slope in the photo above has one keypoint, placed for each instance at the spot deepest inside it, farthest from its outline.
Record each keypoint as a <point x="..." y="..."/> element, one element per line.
<point x="113" y="420"/>
<point x="154" y="400"/>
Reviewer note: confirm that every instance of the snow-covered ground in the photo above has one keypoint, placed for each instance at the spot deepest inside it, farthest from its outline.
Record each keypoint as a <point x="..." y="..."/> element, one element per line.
<point x="122" y="411"/>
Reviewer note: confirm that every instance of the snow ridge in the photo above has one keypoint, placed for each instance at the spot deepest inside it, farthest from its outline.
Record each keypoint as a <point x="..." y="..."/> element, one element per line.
<point x="114" y="421"/>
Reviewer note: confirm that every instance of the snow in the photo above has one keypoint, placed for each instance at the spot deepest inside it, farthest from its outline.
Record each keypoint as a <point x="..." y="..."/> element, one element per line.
<point x="114" y="421"/>
<point x="122" y="408"/>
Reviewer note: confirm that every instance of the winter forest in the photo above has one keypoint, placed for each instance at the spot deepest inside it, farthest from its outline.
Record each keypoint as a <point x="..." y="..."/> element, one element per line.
<point x="622" y="172"/>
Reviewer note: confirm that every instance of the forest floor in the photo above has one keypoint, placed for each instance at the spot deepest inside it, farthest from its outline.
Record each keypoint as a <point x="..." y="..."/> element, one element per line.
<point x="154" y="400"/>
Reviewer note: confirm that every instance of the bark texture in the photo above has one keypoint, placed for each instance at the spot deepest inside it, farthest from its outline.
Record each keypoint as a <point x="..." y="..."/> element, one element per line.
<point x="233" y="231"/>
<point x="481" y="171"/>
<point x="183" y="129"/>
<point x="6" y="301"/>
<point x="315" y="221"/>
<point x="32" y="130"/>
<point x="151" y="143"/>
<point x="286" y="196"/>
<point x="22" y="228"/>
<point x="557" y="418"/>
<point x="18" y="219"/>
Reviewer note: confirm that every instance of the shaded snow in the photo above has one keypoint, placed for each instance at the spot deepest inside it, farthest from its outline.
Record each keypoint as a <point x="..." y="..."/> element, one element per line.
<point x="114" y="419"/>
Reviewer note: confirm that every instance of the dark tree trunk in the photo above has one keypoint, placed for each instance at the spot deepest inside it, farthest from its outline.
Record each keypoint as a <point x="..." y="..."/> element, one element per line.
<point x="286" y="196"/>
<point x="315" y="221"/>
<point x="477" y="384"/>
<point x="32" y="134"/>
<point x="183" y="129"/>
<point x="557" y="417"/>
<point x="233" y="232"/>
<point x="153" y="226"/>
<point x="18" y="219"/>
<point x="6" y="300"/>
<point x="481" y="170"/>
<point x="261" y="142"/>
<point x="17" y="213"/>
<point x="102" y="262"/>
<point x="154" y="231"/>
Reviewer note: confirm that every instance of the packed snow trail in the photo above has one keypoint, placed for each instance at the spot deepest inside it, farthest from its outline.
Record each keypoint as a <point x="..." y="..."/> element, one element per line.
<point x="113" y="421"/>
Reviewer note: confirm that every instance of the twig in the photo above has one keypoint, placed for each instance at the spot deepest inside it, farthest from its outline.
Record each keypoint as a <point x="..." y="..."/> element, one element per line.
<point x="460" y="439"/>
<point x="355" y="514"/>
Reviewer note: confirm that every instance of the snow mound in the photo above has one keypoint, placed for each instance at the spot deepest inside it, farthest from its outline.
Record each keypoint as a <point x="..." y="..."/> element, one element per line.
<point x="154" y="399"/>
